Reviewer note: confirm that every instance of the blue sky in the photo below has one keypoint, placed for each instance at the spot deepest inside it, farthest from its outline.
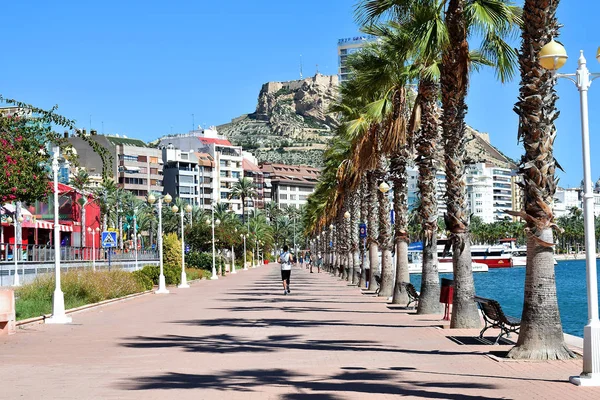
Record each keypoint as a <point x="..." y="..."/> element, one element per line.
<point x="142" y="68"/>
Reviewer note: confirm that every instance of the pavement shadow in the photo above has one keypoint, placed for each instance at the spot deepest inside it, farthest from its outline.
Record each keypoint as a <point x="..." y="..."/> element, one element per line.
<point x="283" y="322"/>
<point x="318" y="387"/>
<point x="226" y="343"/>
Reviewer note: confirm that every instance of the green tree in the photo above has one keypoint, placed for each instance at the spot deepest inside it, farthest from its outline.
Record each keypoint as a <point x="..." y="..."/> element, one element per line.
<point x="243" y="189"/>
<point x="81" y="182"/>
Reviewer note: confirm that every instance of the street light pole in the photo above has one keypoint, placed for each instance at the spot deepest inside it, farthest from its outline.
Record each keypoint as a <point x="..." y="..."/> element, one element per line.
<point x="245" y="266"/>
<point x="135" y="240"/>
<point x="214" y="268"/>
<point x="552" y="57"/>
<point x="16" y="280"/>
<point x="162" y="286"/>
<point x="58" y="299"/>
<point x="183" y="284"/>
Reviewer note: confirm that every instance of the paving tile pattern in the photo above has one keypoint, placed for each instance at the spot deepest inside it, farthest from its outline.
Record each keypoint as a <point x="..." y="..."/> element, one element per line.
<point x="241" y="338"/>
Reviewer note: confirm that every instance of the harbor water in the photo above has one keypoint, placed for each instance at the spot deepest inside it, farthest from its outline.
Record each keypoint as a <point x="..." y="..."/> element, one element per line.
<point x="506" y="285"/>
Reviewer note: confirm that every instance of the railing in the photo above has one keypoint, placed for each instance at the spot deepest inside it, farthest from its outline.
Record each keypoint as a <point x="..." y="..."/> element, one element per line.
<point x="33" y="253"/>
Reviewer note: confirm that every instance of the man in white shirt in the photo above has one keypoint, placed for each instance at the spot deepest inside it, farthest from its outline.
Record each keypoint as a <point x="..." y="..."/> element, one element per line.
<point x="285" y="259"/>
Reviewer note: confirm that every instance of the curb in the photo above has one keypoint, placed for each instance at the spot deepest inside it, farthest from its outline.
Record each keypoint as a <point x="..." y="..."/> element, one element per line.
<point x="41" y="318"/>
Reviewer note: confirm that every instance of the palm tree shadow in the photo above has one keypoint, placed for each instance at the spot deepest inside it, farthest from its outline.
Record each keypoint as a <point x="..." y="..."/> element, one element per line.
<point x="327" y="388"/>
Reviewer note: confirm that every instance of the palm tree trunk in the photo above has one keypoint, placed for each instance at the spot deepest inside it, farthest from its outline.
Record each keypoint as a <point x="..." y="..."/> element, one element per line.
<point x="399" y="177"/>
<point x="385" y="237"/>
<point x="541" y="335"/>
<point x="454" y="82"/>
<point x="364" y="207"/>
<point x="354" y="221"/>
<point x="427" y="140"/>
<point x="372" y="229"/>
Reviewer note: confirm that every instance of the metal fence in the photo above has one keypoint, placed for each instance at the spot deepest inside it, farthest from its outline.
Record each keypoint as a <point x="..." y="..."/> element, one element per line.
<point x="41" y="253"/>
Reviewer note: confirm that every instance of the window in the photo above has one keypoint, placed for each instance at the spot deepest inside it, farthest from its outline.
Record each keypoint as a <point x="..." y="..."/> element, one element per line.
<point x="154" y="160"/>
<point x="479" y="203"/>
<point x="478" y="195"/>
<point x="154" y="171"/>
<point x="223" y="163"/>
<point x="478" y="211"/>
<point x="292" y="197"/>
<point x="129" y="158"/>
<point x="186" y="179"/>
<point x="283" y="196"/>
<point x="223" y="174"/>
<point x="224" y="195"/>
<point x="302" y="197"/>
<point x="235" y="174"/>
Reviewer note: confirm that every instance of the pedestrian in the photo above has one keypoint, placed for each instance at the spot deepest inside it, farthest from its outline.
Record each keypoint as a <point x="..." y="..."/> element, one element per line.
<point x="319" y="262"/>
<point x="285" y="259"/>
<point x="309" y="260"/>
<point x="301" y="259"/>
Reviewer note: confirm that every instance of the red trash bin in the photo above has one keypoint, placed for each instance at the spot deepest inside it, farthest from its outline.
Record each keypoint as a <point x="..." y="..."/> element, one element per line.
<point x="446" y="294"/>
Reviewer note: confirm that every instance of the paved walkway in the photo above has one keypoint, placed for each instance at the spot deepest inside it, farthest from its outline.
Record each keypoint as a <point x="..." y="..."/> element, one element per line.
<point x="240" y="338"/>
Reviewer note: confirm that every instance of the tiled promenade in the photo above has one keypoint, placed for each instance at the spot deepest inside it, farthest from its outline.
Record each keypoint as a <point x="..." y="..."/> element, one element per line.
<point x="240" y="338"/>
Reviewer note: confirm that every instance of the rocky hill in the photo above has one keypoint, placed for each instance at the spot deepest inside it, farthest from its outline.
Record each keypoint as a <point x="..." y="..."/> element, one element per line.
<point x="291" y="123"/>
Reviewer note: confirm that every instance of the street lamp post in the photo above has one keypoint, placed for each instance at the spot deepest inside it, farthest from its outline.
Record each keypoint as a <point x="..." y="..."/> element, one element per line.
<point x="233" y="271"/>
<point x="212" y="222"/>
<point x="552" y="57"/>
<point x="183" y="284"/>
<point x="58" y="299"/>
<point x="244" y="238"/>
<point x="135" y="239"/>
<point x="16" y="280"/>
<point x="93" y="233"/>
<point x="162" y="286"/>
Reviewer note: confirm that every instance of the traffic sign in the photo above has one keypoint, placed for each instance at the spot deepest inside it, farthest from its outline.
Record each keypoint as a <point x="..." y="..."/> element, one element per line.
<point x="362" y="228"/>
<point x="109" y="239"/>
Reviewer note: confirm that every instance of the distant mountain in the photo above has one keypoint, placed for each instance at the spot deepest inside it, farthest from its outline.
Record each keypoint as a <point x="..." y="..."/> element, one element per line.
<point x="290" y="124"/>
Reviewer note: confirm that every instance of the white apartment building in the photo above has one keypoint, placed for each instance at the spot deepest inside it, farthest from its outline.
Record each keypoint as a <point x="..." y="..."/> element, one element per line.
<point x="180" y="171"/>
<point x="347" y="46"/>
<point x="489" y="191"/>
<point x="289" y="185"/>
<point x="566" y="199"/>
<point x="227" y="160"/>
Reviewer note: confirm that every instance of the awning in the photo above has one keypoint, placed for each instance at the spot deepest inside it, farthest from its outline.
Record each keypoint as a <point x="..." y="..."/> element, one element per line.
<point x="65" y="228"/>
<point x="134" y="169"/>
<point x="11" y="209"/>
<point x="44" y="225"/>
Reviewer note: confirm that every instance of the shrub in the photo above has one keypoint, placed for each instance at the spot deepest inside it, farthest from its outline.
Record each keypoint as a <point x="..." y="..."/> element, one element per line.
<point x="172" y="273"/>
<point x="152" y="272"/>
<point x="172" y="250"/>
<point x="199" y="260"/>
<point x="144" y="280"/>
<point x="79" y="288"/>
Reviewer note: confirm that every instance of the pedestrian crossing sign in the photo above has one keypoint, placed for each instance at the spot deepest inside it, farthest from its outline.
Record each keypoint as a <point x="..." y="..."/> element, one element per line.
<point x="109" y="239"/>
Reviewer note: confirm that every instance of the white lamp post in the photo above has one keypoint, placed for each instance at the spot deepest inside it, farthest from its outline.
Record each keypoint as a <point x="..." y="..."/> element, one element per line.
<point x="90" y="231"/>
<point x="16" y="280"/>
<point x="552" y="57"/>
<point x="135" y="239"/>
<point x="244" y="238"/>
<point x="233" y="271"/>
<point x="58" y="299"/>
<point x="162" y="286"/>
<point x="183" y="284"/>
<point x="212" y="223"/>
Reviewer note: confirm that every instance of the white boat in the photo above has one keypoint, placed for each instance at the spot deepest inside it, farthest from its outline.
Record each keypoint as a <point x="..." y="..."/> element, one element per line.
<point x="517" y="254"/>
<point x="415" y="265"/>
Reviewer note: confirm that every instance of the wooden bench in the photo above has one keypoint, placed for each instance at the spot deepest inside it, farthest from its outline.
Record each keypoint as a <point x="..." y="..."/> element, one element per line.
<point x="413" y="295"/>
<point x="7" y="312"/>
<point x="494" y="317"/>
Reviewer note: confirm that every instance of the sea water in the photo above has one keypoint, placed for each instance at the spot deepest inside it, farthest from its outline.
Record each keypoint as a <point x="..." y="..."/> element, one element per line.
<point x="506" y="285"/>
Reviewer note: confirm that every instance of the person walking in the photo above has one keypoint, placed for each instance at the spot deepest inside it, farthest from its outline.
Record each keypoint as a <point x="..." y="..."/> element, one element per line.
<point x="319" y="262"/>
<point x="308" y="260"/>
<point x="285" y="259"/>
<point x="301" y="259"/>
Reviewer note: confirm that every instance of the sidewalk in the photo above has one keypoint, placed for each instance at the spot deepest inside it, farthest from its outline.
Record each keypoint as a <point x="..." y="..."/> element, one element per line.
<point x="241" y="338"/>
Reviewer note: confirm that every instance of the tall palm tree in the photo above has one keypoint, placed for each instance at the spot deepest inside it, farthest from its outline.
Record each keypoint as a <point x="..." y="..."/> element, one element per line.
<point x="80" y="182"/>
<point x="243" y="189"/>
<point x="541" y="335"/>
<point x="103" y="197"/>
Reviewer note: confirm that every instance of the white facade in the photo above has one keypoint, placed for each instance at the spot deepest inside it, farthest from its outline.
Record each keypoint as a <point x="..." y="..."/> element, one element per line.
<point x="566" y="199"/>
<point x="489" y="191"/>
<point x="347" y="46"/>
<point x="293" y="195"/>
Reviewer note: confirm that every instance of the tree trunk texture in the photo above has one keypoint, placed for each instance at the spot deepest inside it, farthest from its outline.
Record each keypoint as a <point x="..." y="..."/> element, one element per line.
<point x="425" y="145"/>
<point x="385" y="237"/>
<point x="399" y="177"/>
<point x="355" y="219"/>
<point x="372" y="230"/>
<point x="454" y="82"/>
<point x="541" y="335"/>
<point x="364" y="207"/>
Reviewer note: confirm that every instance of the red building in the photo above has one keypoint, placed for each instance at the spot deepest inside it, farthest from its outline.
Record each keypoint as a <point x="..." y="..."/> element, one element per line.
<point x="38" y="220"/>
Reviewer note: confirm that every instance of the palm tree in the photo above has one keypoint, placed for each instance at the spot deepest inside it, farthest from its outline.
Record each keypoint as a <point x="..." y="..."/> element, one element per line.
<point x="244" y="189"/>
<point x="80" y="182"/>
<point x="541" y="335"/>
<point x="103" y="197"/>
